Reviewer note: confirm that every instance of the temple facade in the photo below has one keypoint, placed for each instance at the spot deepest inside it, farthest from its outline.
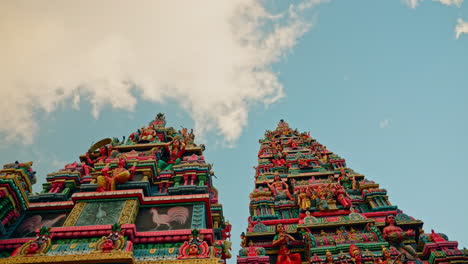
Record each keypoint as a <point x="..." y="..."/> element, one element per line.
<point x="309" y="207"/>
<point x="148" y="198"/>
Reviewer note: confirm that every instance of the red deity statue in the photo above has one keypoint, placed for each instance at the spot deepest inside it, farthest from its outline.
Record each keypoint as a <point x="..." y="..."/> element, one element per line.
<point x="104" y="152"/>
<point x="355" y="254"/>
<point x="342" y="196"/>
<point x="176" y="149"/>
<point x="279" y="187"/>
<point x="281" y="240"/>
<point x="395" y="236"/>
<point x="107" y="182"/>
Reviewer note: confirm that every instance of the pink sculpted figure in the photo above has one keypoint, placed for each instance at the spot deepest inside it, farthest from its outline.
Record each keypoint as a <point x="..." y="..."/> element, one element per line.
<point x="342" y="196"/>
<point x="103" y="154"/>
<point x="279" y="187"/>
<point x="281" y="240"/>
<point x="395" y="236"/>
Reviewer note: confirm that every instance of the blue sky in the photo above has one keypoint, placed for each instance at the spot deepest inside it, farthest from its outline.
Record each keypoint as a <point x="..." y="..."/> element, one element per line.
<point x="381" y="83"/>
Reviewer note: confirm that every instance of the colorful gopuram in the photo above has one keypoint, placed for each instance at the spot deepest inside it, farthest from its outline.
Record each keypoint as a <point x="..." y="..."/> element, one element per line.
<point x="309" y="207"/>
<point x="147" y="199"/>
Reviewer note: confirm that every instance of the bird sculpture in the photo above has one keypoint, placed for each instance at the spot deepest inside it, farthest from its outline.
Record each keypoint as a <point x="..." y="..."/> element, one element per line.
<point x="35" y="222"/>
<point x="176" y="214"/>
<point x="100" y="215"/>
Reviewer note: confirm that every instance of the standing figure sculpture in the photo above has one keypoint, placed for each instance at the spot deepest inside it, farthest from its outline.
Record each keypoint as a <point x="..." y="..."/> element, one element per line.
<point x="303" y="199"/>
<point x="395" y="236"/>
<point x="281" y="240"/>
<point x="344" y="179"/>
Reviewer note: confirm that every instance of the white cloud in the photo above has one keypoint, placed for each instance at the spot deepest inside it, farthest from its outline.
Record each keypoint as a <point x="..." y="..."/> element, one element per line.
<point x="461" y="28"/>
<point x="415" y="3"/>
<point x="213" y="57"/>
<point x="76" y="102"/>
<point x="456" y="3"/>
<point x="384" y="123"/>
<point x="412" y="3"/>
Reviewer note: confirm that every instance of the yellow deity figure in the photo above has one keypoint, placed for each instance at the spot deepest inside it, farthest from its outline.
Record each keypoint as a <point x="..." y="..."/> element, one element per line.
<point x="303" y="199"/>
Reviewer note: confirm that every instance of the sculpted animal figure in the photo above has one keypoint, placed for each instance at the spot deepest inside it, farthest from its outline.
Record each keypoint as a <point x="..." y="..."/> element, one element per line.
<point x="176" y="214"/>
<point x="35" y="222"/>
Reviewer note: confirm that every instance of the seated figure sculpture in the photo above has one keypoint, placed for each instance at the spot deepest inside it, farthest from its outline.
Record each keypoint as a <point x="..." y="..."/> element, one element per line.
<point x="107" y="182"/>
<point x="309" y="219"/>
<point x="121" y="174"/>
<point x="278" y="187"/>
<point x="176" y="149"/>
<point x="341" y="196"/>
<point x="395" y="236"/>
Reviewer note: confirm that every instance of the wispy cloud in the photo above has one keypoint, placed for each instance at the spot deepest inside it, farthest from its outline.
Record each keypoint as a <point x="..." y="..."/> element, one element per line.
<point x="384" y="123"/>
<point x="412" y="3"/>
<point x="76" y="102"/>
<point x="456" y="3"/>
<point x="461" y="28"/>
<point x="213" y="57"/>
<point x="415" y="3"/>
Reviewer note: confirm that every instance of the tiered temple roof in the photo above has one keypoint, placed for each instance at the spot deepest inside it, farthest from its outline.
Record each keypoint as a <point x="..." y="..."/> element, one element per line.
<point x="309" y="207"/>
<point x="147" y="199"/>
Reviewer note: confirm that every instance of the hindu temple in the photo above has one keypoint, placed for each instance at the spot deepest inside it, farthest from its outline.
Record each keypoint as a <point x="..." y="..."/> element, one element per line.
<point x="309" y="207"/>
<point x="146" y="198"/>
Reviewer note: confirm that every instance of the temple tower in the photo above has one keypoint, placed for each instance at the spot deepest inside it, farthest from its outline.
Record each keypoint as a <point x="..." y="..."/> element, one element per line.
<point x="309" y="207"/>
<point x="148" y="198"/>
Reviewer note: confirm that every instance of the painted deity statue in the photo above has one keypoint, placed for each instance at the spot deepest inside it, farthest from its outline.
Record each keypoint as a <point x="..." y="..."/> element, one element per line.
<point x="322" y="198"/>
<point x="342" y="196"/>
<point x="148" y="134"/>
<point x="86" y="169"/>
<point x="159" y="121"/>
<point x="309" y="219"/>
<point x="303" y="199"/>
<point x="344" y="179"/>
<point x="121" y="174"/>
<point x="279" y="159"/>
<point x="385" y="256"/>
<point x="251" y="250"/>
<point x="292" y="143"/>
<point x="353" y="215"/>
<point x="329" y="257"/>
<point x="103" y="154"/>
<point x="278" y="187"/>
<point x="355" y="254"/>
<point x="283" y="128"/>
<point x="107" y="182"/>
<point x="176" y="149"/>
<point x="243" y="243"/>
<point x="189" y="137"/>
<point x="395" y="236"/>
<point x="281" y="240"/>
